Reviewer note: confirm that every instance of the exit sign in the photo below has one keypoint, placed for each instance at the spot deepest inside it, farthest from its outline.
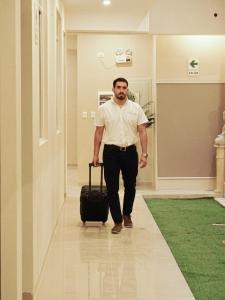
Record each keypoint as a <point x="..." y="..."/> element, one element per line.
<point x="193" y="67"/>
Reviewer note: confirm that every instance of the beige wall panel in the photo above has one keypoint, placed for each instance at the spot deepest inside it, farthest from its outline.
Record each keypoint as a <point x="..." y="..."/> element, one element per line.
<point x="97" y="75"/>
<point x="10" y="103"/>
<point x="189" y="118"/>
<point x="72" y="107"/>
<point x="27" y="147"/>
<point x="71" y="42"/>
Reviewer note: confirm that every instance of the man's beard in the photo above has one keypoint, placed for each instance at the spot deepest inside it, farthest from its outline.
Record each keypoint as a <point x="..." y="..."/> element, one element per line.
<point x="121" y="96"/>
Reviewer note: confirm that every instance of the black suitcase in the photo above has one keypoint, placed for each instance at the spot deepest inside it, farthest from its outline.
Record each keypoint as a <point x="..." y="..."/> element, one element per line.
<point x="94" y="204"/>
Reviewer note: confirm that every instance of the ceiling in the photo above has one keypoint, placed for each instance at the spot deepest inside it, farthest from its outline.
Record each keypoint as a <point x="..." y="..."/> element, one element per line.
<point x="117" y="6"/>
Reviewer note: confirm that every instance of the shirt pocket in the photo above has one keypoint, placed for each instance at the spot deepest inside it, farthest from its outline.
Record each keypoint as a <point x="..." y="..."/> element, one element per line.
<point x="131" y="118"/>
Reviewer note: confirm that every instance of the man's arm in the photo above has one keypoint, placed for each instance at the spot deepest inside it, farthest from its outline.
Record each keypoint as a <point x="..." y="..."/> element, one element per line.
<point x="144" y="142"/>
<point x="97" y="143"/>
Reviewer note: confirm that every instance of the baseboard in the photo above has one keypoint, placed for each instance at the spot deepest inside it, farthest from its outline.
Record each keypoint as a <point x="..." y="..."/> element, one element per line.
<point x="186" y="183"/>
<point x="145" y="184"/>
<point x="27" y="296"/>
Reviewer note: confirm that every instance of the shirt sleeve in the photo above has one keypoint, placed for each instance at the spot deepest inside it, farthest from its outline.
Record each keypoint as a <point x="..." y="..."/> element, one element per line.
<point x="99" y="117"/>
<point x="141" y="116"/>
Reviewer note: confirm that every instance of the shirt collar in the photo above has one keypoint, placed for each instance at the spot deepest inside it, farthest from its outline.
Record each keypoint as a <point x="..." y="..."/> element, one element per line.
<point x="112" y="100"/>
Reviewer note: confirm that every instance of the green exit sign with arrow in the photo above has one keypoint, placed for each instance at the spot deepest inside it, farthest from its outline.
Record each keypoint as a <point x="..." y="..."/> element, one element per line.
<point x="193" y="67"/>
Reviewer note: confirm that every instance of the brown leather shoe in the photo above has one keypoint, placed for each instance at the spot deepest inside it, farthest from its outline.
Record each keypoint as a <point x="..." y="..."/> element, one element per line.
<point x="117" y="228"/>
<point x="127" y="221"/>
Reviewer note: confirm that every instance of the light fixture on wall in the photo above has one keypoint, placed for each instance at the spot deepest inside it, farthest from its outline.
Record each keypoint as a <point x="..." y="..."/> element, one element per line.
<point x="106" y="2"/>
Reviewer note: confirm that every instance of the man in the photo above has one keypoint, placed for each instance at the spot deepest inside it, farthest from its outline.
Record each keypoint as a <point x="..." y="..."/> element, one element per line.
<point x="122" y="120"/>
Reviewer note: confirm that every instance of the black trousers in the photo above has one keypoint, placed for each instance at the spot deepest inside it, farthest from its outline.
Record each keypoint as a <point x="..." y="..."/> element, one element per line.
<point x="115" y="161"/>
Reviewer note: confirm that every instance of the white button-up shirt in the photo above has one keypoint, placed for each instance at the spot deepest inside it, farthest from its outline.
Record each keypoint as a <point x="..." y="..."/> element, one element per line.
<point x="120" y="122"/>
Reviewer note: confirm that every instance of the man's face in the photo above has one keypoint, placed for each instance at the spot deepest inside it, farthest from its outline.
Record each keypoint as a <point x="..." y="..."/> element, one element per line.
<point x="120" y="90"/>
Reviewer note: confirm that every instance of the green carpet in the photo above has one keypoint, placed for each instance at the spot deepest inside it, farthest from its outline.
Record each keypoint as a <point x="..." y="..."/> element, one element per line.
<point x="195" y="243"/>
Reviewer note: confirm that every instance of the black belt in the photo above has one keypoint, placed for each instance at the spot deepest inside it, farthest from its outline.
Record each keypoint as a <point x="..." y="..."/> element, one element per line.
<point x="115" y="147"/>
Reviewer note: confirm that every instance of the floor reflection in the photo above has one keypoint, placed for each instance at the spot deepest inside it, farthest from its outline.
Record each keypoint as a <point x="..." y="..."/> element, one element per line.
<point x="89" y="263"/>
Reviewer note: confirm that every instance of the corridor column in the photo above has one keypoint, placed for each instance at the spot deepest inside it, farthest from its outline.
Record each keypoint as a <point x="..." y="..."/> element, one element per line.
<point x="10" y="136"/>
<point x="220" y="171"/>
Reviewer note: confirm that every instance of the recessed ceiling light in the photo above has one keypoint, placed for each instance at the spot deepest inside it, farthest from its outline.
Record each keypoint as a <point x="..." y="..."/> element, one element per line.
<point x="106" y="2"/>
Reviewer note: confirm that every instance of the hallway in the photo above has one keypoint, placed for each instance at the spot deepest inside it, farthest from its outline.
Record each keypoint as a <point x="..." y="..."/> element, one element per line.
<point x="90" y="263"/>
<point x="58" y="61"/>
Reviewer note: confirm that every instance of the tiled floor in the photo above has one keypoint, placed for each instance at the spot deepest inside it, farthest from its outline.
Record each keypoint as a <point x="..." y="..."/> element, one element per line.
<point x="89" y="263"/>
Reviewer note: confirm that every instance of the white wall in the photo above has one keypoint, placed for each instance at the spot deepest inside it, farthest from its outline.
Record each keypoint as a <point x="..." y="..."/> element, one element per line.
<point x="72" y="107"/>
<point x="43" y="157"/>
<point x="97" y="75"/>
<point x="187" y="17"/>
<point x="173" y="53"/>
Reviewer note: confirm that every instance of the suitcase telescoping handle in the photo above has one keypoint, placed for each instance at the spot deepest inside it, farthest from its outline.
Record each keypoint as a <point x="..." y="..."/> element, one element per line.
<point x="101" y="181"/>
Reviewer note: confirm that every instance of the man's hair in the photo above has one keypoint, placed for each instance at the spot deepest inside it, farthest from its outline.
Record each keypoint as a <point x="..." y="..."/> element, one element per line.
<point x="120" y="79"/>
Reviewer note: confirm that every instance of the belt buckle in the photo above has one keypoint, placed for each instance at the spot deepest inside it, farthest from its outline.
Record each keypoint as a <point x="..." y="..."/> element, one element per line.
<point x="123" y="148"/>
